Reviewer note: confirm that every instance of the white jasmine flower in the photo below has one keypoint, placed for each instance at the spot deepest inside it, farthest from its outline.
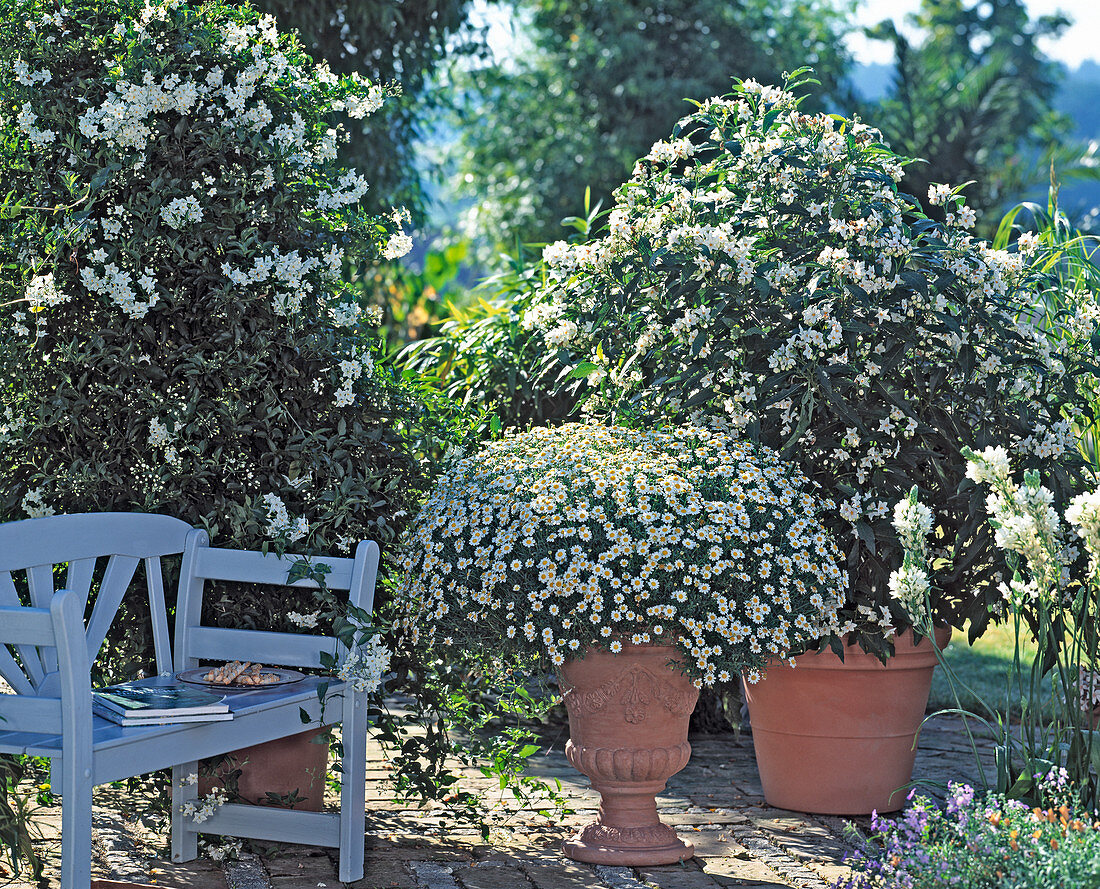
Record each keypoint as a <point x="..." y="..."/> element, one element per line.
<point x="990" y="466"/>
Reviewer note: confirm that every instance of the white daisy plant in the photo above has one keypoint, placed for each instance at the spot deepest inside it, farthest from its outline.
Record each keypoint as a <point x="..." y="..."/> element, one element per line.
<point x="554" y="540"/>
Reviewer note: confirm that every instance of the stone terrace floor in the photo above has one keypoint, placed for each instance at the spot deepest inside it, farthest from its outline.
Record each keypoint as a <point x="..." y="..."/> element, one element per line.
<point x="716" y="802"/>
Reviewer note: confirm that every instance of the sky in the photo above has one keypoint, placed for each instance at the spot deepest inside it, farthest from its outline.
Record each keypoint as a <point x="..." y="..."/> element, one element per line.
<point x="1080" y="41"/>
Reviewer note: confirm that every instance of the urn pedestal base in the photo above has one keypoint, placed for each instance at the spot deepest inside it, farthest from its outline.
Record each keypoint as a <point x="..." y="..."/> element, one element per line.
<point x="628" y="717"/>
<point x="628" y="830"/>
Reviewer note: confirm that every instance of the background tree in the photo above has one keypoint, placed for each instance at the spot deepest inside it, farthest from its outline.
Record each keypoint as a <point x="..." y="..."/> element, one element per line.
<point x="601" y="82"/>
<point x="973" y="97"/>
<point x="386" y="41"/>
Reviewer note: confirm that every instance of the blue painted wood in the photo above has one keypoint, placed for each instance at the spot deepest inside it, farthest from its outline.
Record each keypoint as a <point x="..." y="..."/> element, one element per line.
<point x="185" y="840"/>
<point x="13" y="673"/>
<point x="29" y="713"/>
<point x="277" y="825"/>
<point x="272" y="649"/>
<point x="367" y="556"/>
<point x="76" y="749"/>
<point x="31" y="626"/>
<point x="256" y="567"/>
<point x="112" y="589"/>
<point x="79" y="579"/>
<point x="125" y="751"/>
<point x="158" y="614"/>
<point x="57" y="539"/>
<point x="189" y="600"/>
<point x="40" y="587"/>
<point x="51" y="713"/>
<point x="353" y="785"/>
<point x="258" y="716"/>
<point x="9" y="597"/>
<point x="28" y="654"/>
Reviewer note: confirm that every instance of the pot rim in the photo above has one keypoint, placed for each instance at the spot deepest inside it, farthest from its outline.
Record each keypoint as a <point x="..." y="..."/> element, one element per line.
<point x="910" y="657"/>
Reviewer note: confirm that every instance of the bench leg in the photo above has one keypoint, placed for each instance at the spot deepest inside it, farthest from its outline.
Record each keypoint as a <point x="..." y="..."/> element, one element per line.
<point x="76" y="825"/>
<point x="353" y="787"/>
<point x="185" y="842"/>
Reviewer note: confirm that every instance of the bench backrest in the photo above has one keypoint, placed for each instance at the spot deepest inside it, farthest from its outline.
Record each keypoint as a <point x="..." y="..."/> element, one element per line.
<point x="202" y="563"/>
<point x="34" y="547"/>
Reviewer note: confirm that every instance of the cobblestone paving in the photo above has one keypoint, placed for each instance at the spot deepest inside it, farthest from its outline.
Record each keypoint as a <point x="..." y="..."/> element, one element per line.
<point x="716" y="802"/>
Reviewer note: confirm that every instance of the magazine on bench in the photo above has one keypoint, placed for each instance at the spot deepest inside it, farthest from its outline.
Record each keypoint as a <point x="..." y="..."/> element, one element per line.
<point x="157" y="720"/>
<point x="151" y="704"/>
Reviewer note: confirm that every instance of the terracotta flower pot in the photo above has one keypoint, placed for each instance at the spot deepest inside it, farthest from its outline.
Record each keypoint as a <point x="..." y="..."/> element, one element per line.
<point x="281" y="766"/>
<point x="628" y="721"/>
<point x="838" y="738"/>
<point x="116" y="884"/>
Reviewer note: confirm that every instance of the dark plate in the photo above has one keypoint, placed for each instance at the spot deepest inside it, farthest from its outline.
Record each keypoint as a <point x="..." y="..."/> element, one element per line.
<point x="194" y="677"/>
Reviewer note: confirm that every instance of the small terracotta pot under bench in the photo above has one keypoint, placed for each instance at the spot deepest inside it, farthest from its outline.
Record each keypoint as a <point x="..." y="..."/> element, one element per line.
<point x="296" y="762"/>
<point x="839" y="737"/>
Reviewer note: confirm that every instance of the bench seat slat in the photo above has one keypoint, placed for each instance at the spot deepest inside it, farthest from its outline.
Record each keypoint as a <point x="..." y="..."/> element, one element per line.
<point x="27" y="742"/>
<point x="121" y="752"/>
<point x="244" y="705"/>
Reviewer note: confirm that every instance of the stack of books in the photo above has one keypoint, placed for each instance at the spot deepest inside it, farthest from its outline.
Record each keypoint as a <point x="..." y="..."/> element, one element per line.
<point x="158" y="704"/>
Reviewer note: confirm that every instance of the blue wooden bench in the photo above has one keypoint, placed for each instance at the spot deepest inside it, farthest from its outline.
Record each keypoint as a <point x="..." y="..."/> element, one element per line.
<point x="46" y="652"/>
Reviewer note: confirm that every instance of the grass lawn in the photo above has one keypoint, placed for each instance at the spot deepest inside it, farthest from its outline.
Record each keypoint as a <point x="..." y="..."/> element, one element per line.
<point x="984" y="667"/>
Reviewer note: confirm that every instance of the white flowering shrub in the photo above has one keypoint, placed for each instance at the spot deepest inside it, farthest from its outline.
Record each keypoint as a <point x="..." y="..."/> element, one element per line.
<point x="761" y="275"/>
<point x="365" y="666"/>
<point x="174" y="334"/>
<point x="555" y="539"/>
<point x="910" y="585"/>
<point x="1053" y="598"/>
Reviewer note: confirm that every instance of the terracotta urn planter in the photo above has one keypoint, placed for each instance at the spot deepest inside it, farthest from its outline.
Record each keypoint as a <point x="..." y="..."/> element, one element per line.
<point x="281" y="767"/>
<point x="628" y="721"/>
<point x="839" y="738"/>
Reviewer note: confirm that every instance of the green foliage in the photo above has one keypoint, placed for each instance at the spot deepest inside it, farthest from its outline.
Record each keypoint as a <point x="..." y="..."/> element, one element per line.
<point x="18" y="831"/>
<point x="388" y="41"/>
<point x="973" y="98"/>
<point x="982" y="672"/>
<point x="603" y="81"/>
<point x="486" y="359"/>
<point x="175" y="337"/>
<point x="413" y="304"/>
<point x="1067" y="303"/>
<point x="466" y="714"/>
<point x="1052" y="598"/>
<point x="762" y="273"/>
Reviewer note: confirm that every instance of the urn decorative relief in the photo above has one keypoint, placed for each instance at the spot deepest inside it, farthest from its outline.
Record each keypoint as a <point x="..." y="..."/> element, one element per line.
<point x="628" y="721"/>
